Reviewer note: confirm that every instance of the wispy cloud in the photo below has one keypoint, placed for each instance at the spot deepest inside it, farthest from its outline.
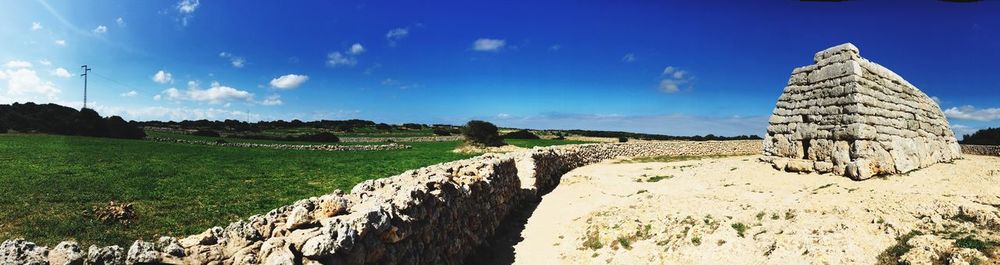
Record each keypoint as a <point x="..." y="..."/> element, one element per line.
<point x="672" y="79"/>
<point x="121" y="22"/>
<point x="628" y="58"/>
<point x="396" y="34"/>
<point x="336" y="59"/>
<point x="128" y="94"/>
<point x="60" y="42"/>
<point x="236" y="61"/>
<point x="289" y="81"/>
<point x="969" y="112"/>
<point x="555" y="47"/>
<point x="100" y="29"/>
<point x="488" y="45"/>
<point x="272" y="100"/>
<point x="17" y="64"/>
<point x="35" y="26"/>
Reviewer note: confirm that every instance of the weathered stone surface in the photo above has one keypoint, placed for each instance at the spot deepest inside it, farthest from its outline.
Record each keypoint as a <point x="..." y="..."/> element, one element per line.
<point x="66" y="253"/>
<point x="142" y="252"/>
<point x="19" y="251"/>
<point x="105" y="255"/>
<point x="856" y="118"/>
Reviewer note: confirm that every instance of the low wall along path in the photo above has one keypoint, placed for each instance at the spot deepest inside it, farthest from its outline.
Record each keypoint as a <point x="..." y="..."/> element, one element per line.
<point x="433" y="215"/>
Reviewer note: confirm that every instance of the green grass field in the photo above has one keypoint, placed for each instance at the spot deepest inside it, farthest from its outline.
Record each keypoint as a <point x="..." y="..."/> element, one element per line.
<point x="177" y="189"/>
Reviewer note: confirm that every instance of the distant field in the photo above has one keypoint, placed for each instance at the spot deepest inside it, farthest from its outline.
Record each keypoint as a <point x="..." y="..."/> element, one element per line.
<point x="177" y="189"/>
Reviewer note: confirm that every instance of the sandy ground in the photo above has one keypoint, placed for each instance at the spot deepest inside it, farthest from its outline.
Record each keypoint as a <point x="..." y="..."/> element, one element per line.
<point x="690" y="212"/>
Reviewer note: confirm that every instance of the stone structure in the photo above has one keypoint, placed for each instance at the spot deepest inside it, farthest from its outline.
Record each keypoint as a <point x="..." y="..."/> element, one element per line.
<point x="433" y="215"/>
<point x="852" y="117"/>
<point x="983" y="150"/>
<point x="310" y="147"/>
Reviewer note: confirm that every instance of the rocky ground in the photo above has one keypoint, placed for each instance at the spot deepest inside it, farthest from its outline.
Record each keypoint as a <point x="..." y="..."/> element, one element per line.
<point x="738" y="210"/>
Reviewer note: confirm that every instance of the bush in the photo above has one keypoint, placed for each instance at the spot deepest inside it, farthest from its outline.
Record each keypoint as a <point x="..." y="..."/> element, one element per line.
<point x="383" y="127"/>
<point x="441" y="132"/>
<point x="206" y="133"/>
<point x="482" y="133"/>
<point x="118" y="128"/>
<point x="520" y="134"/>
<point x="622" y="139"/>
<point x="3" y="129"/>
<point x="413" y="126"/>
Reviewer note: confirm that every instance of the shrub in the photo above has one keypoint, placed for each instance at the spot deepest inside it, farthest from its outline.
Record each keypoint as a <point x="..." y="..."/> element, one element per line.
<point x="206" y="133"/>
<point x="441" y="132"/>
<point x="3" y="129"/>
<point x="118" y="128"/>
<point x="520" y="134"/>
<point x="482" y="133"/>
<point x="413" y="126"/>
<point x="622" y="139"/>
<point x="383" y="127"/>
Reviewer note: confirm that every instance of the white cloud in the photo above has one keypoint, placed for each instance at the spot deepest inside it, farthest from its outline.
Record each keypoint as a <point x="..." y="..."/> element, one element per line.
<point x="357" y="49"/>
<point x="44" y="62"/>
<point x="236" y="61"/>
<point x="628" y="58"/>
<point x="936" y="100"/>
<point x="673" y="79"/>
<point x="157" y="97"/>
<point x="969" y="112"/>
<point x="133" y="93"/>
<point x="555" y="47"/>
<point x="120" y="21"/>
<point x="100" y="29"/>
<point x="35" y="26"/>
<point x="288" y="81"/>
<point x="336" y="58"/>
<point x="272" y="100"/>
<point x="396" y="34"/>
<point x="163" y="77"/>
<point x="24" y="83"/>
<point x="187" y="6"/>
<point x="215" y="94"/>
<point x="398" y="84"/>
<point x="186" y="9"/>
<point x="60" y="42"/>
<point x="61" y="72"/>
<point x="488" y="45"/>
<point x="17" y="64"/>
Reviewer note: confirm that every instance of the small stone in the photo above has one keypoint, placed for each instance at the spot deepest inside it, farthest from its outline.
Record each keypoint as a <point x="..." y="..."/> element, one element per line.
<point x="66" y="253"/>
<point x="142" y="252"/>
<point x="299" y="217"/>
<point x="105" y="255"/>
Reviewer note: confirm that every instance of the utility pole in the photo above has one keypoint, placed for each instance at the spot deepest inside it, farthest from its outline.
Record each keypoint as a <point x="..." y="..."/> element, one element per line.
<point x="84" y="75"/>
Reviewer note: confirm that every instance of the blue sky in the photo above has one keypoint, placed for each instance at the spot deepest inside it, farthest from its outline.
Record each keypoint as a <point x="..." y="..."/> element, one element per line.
<point x="681" y="68"/>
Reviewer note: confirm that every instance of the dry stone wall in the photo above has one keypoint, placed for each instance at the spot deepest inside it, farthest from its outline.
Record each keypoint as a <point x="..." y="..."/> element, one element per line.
<point x="312" y="147"/>
<point x="850" y="116"/>
<point x="433" y="215"/>
<point x="984" y="150"/>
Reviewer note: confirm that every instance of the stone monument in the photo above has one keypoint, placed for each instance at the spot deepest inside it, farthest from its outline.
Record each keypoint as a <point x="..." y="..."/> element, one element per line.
<point x="849" y="116"/>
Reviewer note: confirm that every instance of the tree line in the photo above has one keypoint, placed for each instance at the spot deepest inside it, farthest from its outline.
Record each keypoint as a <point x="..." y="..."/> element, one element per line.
<point x="56" y="119"/>
<point x="988" y="136"/>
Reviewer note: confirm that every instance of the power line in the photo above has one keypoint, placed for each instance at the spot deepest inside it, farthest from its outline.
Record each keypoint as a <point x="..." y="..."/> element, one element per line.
<point x="116" y="82"/>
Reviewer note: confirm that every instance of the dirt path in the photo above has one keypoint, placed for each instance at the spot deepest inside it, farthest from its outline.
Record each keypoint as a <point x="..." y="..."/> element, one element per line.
<point x="740" y="211"/>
